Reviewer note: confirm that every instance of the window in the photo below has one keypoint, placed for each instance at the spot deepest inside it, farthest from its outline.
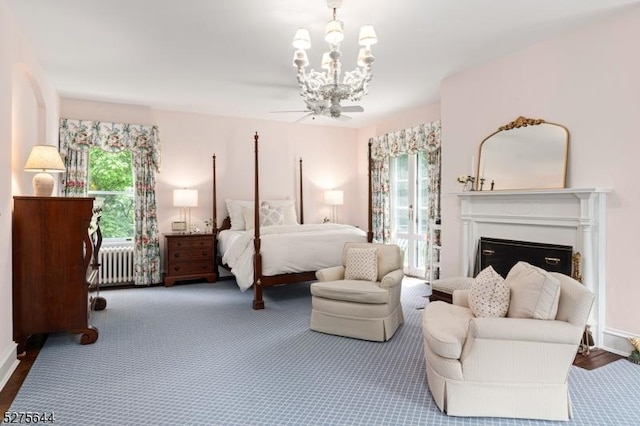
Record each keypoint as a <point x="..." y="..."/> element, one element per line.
<point x="111" y="182"/>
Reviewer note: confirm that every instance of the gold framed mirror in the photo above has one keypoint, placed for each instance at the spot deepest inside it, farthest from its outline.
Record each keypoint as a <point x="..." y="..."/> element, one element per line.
<point x="524" y="154"/>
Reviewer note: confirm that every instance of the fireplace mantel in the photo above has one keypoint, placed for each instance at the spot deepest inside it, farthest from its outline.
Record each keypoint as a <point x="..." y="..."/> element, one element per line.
<point x="569" y="216"/>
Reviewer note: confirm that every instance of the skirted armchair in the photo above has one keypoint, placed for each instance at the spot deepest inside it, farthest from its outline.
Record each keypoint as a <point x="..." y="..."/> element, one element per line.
<point x="507" y="366"/>
<point x="360" y="298"/>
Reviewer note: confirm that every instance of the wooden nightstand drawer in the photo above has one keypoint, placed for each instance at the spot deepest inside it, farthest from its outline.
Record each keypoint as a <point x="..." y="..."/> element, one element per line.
<point x="188" y="257"/>
<point x="190" y="243"/>
<point x="190" y="268"/>
<point x="190" y="254"/>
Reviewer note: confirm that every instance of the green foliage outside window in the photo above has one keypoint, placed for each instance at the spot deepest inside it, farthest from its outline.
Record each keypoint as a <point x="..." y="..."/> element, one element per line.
<point x="111" y="180"/>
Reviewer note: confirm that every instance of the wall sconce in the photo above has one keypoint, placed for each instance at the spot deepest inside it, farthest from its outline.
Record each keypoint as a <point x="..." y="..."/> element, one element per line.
<point x="334" y="198"/>
<point x="44" y="159"/>
<point x="185" y="199"/>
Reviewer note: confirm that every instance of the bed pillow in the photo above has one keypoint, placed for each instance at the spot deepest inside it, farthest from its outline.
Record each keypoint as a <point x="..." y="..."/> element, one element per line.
<point x="288" y="208"/>
<point x="534" y="292"/>
<point x="489" y="294"/>
<point x="361" y="264"/>
<point x="234" y="207"/>
<point x="268" y="216"/>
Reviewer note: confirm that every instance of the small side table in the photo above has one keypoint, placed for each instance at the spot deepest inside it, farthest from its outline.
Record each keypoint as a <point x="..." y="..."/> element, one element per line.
<point x="188" y="257"/>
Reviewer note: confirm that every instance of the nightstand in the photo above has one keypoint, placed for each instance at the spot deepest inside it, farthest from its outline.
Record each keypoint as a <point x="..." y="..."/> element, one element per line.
<point x="188" y="257"/>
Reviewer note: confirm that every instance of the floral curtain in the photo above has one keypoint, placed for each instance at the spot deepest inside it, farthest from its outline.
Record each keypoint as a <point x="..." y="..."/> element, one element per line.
<point x="77" y="136"/>
<point x="424" y="137"/>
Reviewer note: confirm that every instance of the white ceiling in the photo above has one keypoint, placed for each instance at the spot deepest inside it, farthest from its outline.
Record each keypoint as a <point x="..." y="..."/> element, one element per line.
<point x="234" y="58"/>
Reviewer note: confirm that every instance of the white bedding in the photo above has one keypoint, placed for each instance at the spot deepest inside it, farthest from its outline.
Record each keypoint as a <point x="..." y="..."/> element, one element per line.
<point x="286" y="249"/>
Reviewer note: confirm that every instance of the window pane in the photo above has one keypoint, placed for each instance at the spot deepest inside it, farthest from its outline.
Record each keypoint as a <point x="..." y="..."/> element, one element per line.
<point x="117" y="214"/>
<point x="111" y="181"/>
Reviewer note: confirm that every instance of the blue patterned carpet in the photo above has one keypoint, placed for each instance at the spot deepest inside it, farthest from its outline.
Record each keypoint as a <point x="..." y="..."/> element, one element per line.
<point x="197" y="354"/>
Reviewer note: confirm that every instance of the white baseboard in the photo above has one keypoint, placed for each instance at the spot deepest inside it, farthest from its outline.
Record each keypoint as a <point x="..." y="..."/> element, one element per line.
<point x="8" y="363"/>
<point x="617" y="342"/>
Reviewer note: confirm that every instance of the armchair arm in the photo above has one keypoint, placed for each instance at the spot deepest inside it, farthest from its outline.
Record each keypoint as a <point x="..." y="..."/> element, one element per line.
<point x="526" y="330"/>
<point x="461" y="298"/>
<point x="334" y="273"/>
<point x="519" y="350"/>
<point x="392" y="279"/>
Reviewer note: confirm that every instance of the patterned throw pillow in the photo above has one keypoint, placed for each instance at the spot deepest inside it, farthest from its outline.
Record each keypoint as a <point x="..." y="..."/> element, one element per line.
<point x="489" y="294"/>
<point x="361" y="264"/>
<point x="271" y="216"/>
<point x="268" y="216"/>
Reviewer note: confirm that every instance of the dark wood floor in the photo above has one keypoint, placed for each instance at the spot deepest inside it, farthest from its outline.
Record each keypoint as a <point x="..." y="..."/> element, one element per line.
<point x="597" y="358"/>
<point x="10" y="390"/>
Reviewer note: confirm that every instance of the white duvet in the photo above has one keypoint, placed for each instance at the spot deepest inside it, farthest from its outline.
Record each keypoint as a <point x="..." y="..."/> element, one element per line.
<point x="287" y="249"/>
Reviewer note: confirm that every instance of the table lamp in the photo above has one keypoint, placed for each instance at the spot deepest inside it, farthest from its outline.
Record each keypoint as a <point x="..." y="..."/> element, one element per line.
<point x="185" y="199"/>
<point x="334" y="198"/>
<point x="44" y="159"/>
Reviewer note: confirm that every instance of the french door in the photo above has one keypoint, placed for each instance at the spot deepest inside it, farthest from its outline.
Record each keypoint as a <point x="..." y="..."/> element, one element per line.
<point x="409" y="209"/>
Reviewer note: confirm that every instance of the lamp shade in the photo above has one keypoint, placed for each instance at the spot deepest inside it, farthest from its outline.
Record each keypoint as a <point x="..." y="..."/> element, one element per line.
<point x="334" y="33"/>
<point x="367" y="36"/>
<point x="302" y="39"/>
<point x="44" y="158"/>
<point x="185" y="198"/>
<point x="334" y="197"/>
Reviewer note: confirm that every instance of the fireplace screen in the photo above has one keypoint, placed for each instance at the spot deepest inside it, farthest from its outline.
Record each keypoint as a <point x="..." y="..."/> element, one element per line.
<point x="503" y="254"/>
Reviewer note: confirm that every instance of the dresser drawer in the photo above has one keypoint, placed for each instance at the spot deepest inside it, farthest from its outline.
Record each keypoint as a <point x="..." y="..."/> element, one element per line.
<point x="184" y="254"/>
<point x="190" y="268"/>
<point x="189" y="242"/>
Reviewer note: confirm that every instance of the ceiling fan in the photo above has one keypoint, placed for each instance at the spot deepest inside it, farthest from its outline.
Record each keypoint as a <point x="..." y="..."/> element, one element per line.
<point x="333" y="110"/>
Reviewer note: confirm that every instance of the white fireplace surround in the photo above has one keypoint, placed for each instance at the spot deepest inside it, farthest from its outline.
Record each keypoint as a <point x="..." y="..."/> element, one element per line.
<point x="573" y="217"/>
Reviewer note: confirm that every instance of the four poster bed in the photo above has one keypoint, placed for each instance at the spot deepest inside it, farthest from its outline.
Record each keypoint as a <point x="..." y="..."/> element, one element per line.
<point x="286" y="252"/>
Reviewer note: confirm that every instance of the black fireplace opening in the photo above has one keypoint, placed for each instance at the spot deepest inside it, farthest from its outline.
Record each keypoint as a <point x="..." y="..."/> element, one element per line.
<point x="503" y="254"/>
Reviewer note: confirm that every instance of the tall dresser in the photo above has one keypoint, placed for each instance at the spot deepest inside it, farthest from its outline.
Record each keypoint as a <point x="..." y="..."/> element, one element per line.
<point x="52" y="252"/>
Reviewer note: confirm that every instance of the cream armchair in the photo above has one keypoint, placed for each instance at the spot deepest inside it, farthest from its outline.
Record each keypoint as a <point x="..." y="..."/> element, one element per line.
<point x="504" y="367"/>
<point x="365" y="308"/>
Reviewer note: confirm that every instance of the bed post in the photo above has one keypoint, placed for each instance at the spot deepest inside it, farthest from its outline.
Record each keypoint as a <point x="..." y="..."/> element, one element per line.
<point x="258" y="303"/>
<point x="214" y="224"/>
<point x="301" y="199"/>
<point x="370" y="197"/>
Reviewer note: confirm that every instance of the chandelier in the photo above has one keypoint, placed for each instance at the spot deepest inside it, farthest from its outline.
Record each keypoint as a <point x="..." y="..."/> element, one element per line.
<point x="328" y="88"/>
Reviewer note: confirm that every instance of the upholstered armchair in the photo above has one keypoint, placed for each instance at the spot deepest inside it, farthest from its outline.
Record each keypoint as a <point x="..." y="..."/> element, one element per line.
<point x="507" y="366"/>
<point x="360" y="298"/>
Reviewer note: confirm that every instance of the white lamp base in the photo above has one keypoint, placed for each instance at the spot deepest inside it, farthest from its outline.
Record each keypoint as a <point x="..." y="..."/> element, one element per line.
<point x="42" y="184"/>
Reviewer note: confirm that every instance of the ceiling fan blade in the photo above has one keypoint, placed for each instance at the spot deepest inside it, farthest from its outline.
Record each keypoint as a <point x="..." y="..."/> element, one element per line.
<point x="352" y="108"/>
<point x="297" y="111"/>
<point x="344" y="118"/>
<point x="304" y="117"/>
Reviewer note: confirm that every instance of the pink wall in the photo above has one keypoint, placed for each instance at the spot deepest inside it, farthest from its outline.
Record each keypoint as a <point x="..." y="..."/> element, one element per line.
<point x="28" y="116"/>
<point x="588" y="81"/>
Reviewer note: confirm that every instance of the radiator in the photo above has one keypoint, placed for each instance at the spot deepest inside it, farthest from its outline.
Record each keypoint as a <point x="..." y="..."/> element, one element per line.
<point x="116" y="265"/>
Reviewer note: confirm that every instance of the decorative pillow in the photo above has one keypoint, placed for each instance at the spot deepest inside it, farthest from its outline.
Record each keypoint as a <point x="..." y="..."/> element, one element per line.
<point x="268" y="217"/>
<point x="236" y="214"/>
<point x="534" y="292"/>
<point x="489" y="294"/>
<point x="271" y="216"/>
<point x="288" y="207"/>
<point x="361" y="264"/>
